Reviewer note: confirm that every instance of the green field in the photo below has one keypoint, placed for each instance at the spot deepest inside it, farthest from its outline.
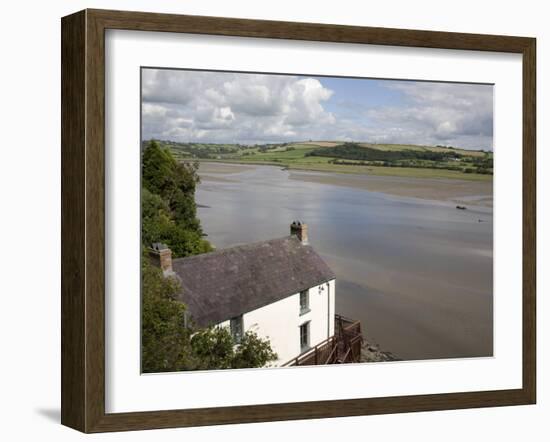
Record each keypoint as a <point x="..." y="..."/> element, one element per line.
<point x="451" y="163"/>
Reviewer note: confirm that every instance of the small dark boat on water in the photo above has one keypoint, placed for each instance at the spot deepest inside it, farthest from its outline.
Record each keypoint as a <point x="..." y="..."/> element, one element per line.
<point x="461" y="207"/>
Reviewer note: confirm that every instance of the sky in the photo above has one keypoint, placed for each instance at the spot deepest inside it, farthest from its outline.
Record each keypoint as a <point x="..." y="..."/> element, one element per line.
<point x="224" y="107"/>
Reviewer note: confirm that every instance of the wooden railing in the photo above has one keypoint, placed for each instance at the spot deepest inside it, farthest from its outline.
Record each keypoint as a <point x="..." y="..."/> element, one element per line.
<point x="348" y="333"/>
<point x="322" y="353"/>
<point x="349" y="326"/>
<point x="342" y="348"/>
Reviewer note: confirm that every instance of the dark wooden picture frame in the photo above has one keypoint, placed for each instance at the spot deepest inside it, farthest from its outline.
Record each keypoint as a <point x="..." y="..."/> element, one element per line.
<point x="83" y="219"/>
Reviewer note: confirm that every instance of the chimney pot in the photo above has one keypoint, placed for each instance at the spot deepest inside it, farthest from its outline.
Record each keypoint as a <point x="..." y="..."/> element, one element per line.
<point x="161" y="256"/>
<point x="299" y="229"/>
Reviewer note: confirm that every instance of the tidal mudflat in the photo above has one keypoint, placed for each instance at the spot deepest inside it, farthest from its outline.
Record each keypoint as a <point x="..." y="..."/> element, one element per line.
<point x="416" y="271"/>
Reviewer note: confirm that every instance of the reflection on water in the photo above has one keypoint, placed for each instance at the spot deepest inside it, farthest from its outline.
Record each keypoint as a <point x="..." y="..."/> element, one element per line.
<point x="418" y="274"/>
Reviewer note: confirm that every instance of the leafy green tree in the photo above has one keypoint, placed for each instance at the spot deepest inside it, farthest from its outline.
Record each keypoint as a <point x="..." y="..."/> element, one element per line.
<point x="158" y="170"/>
<point x="215" y="348"/>
<point x="185" y="242"/>
<point x="164" y="337"/>
<point x="184" y="210"/>
<point x="169" y="211"/>
<point x="156" y="220"/>
<point x="252" y="351"/>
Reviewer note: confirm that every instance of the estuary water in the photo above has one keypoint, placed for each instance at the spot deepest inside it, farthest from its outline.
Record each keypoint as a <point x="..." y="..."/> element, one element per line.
<point x="417" y="273"/>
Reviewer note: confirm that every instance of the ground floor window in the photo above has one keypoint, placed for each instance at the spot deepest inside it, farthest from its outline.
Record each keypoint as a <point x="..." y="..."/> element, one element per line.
<point x="304" y="336"/>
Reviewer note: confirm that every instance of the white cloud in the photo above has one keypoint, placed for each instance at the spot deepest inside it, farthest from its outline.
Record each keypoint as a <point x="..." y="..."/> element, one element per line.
<point x="225" y="107"/>
<point x="438" y="113"/>
<point x="251" y="108"/>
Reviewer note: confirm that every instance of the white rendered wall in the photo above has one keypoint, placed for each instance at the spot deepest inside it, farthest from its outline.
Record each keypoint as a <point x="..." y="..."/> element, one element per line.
<point x="280" y="321"/>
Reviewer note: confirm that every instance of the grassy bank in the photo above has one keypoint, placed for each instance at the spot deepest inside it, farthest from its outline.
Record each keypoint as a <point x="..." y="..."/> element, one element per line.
<point x="405" y="172"/>
<point x="310" y="156"/>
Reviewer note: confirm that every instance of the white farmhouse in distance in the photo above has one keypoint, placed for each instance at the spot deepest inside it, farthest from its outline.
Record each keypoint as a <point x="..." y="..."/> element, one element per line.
<point x="281" y="289"/>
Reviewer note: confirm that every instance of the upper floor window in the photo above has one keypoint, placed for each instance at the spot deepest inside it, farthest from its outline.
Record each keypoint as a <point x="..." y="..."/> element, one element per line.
<point x="304" y="302"/>
<point x="236" y="326"/>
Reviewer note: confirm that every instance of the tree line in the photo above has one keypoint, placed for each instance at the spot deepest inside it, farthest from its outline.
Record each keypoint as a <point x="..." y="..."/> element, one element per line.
<point x="353" y="151"/>
<point x="353" y="154"/>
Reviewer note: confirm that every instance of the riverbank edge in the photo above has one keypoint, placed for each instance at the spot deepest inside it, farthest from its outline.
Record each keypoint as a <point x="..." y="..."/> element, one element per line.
<point x="484" y="199"/>
<point x="467" y="177"/>
<point x="371" y="353"/>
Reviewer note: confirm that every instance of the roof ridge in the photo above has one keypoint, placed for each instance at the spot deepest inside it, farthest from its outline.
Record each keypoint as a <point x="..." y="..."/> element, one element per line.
<point x="228" y="282"/>
<point x="238" y="246"/>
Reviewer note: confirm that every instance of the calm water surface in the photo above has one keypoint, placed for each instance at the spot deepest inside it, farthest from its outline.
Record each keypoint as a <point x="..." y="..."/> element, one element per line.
<point x="417" y="273"/>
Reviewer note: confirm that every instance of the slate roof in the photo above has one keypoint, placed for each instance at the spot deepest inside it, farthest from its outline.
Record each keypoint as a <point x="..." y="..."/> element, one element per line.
<point x="226" y="283"/>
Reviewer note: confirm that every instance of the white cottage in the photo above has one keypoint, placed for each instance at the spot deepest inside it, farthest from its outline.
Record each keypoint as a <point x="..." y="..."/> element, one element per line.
<point x="281" y="289"/>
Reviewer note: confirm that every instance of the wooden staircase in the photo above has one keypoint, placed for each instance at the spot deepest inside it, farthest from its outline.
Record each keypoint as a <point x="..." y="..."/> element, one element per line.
<point x="342" y="348"/>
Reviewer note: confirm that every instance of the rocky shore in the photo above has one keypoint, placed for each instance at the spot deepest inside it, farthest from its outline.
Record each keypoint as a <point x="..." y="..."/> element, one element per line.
<point x="372" y="353"/>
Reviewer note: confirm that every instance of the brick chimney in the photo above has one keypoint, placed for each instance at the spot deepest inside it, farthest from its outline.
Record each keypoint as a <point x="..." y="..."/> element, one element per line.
<point x="161" y="256"/>
<point x="299" y="229"/>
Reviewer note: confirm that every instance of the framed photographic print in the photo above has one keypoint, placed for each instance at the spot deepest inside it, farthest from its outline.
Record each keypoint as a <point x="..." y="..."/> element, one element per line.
<point x="270" y="220"/>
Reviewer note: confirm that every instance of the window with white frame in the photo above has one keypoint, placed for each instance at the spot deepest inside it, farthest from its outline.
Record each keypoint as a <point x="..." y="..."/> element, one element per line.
<point x="304" y="336"/>
<point x="304" y="302"/>
<point x="236" y="326"/>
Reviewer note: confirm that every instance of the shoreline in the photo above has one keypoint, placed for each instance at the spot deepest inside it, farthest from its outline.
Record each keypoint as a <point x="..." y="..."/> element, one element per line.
<point x="404" y="172"/>
<point x="372" y="353"/>
<point x="454" y="192"/>
<point x="451" y="191"/>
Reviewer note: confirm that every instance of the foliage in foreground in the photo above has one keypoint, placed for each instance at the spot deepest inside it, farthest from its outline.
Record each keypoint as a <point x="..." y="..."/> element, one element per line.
<point x="169" y="340"/>
<point x="164" y="336"/>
